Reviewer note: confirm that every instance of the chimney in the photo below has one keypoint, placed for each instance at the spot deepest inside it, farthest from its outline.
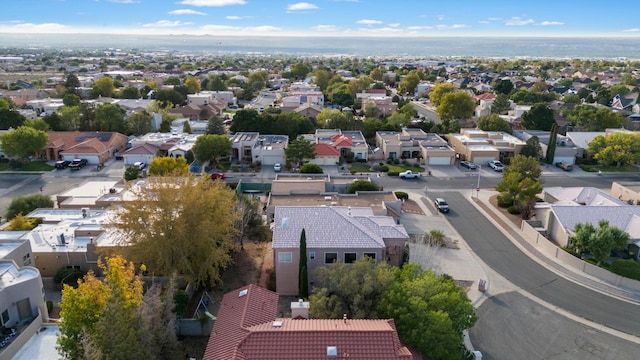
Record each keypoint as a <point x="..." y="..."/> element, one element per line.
<point x="344" y="318"/>
<point x="300" y="309"/>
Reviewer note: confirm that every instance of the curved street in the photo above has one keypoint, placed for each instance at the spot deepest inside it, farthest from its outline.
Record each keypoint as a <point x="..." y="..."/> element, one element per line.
<point x="498" y="252"/>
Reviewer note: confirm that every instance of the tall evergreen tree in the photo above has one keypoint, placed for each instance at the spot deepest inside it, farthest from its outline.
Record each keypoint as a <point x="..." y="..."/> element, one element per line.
<point x="303" y="278"/>
<point x="551" y="148"/>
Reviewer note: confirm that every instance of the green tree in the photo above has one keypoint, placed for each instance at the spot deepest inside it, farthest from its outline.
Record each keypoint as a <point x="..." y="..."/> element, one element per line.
<point x="361" y="185"/>
<point x="23" y="141"/>
<point x="69" y="118"/>
<point x="430" y="311"/>
<point x="369" y="128"/>
<point x="527" y="167"/>
<point x="408" y="84"/>
<point x="504" y="87"/>
<point x="168" y="166"/>
<point x="311" y="169"/>
<point x="353" y="289"/>
<point x="38" y="124"/>
<point x="54" y="121"/>
<point x="500" y="105"/>
<point x="532" y="148"/>
<point x="139" y="122"/>
<point x="598" y="242"/>
<point x="540" y="117"/>
<point x="130" y="93"/>
<point x="299" y="150"/>
<point x="132" y="173"/>
<point x="438" y="92"/>
<point x="456" y="105"/>
<point x="9" y="118"/>
<point x="590" y="118"/>
<point x="103" y="87"/>
<point x="211" y="147"/>
<point x="192" y="84"/>
<point x="71" y="99"/>
<point x="186" y="127"/>
<point x="551" y="148"/>
<point x="165" y="240"/>
<point x="110" y="118"/>
<point x="493" y="122"/>
<point x="330" y="116"/>
<point x="300" y="70"/>
<point x="71" y="83"/>
<point x="616" y="148"/>
<point x="303" y="278"/>
<point x="409" y="110"/>
<point x="215" y="125"/>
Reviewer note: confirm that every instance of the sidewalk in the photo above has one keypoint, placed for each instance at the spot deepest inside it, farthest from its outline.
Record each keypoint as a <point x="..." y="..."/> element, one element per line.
<point x="510" y="230"/>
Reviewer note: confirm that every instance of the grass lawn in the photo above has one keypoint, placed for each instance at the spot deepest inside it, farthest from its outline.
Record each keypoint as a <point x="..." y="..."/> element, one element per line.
<point x="358" y="167"/>
<point x="30" y="166"/>
<point x="401" y="168"/>
<point x="610" y="168"/>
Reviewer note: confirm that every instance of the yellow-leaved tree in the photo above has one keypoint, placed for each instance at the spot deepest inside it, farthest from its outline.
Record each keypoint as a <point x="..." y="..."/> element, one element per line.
<point x="179" y="224"/>
<point x="167" y="165"/>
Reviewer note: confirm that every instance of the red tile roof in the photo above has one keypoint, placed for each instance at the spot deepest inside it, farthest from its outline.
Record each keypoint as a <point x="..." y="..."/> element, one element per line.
<point x="142" y="149"/>
<point x="342" y="140"/>
<point x="326" y="150"/>
<point x="486" y="96"/>
<point x="247" y="329"/>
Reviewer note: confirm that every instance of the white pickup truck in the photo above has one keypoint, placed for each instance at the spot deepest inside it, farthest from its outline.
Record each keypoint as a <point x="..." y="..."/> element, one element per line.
<point x="409" y="175"/>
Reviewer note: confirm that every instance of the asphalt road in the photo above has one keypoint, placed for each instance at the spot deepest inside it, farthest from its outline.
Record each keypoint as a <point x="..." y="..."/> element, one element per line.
<point x="510" y="324"/>
<point x="497" y="251"/>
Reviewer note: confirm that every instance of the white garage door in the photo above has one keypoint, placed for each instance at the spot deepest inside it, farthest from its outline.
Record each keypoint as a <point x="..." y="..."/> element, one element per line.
<point x="445" y="160"/>
<point x="132" y="159"/>
<point x="483" y="161"/>
<point x="568" y="159"/>
<point x="272" y="159"/>
<point x="325" y="160"/>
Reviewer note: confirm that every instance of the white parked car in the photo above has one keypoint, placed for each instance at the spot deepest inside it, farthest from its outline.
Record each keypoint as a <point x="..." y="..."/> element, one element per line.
<point x="496" y="165"/>
<point x="277" y="167"/>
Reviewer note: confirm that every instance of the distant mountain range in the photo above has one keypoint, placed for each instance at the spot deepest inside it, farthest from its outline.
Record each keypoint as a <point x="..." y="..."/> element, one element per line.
<point x="436" y="47"/>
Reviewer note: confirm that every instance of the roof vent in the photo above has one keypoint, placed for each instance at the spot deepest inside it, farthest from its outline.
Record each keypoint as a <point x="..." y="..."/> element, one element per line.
<point x="285" y="223"/>
<point x="332" y="351"/>
<point x="277" y="324"/>
<point x="243" y="293"/>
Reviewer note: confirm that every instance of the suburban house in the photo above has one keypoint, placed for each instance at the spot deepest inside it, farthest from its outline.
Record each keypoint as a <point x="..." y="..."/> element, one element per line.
<point x="95" y="147"/>
<point x="482" y="146"/>
<point x="22" y="305"/>
<point x="384" y="105"/>
<point x="628" y="192"/>
<point x="254" y="147"/>
<point x="301" y="93"/>
<point x="334" y="234"/>
<point x="331" y="144"/>
<point x="198" y="112"/>
<point x="211" y="97"/>
<point x="328" y="190"/>
<point x="565" y="207"/>
<point x="565" y="150"/>
<point x="140" y="153"/>
<point x="415" y="146"/>
<point x="308" y="110"/>
<point x="625" y="101"/>
<point x="247" y="328"/>
<point x="45" y="106"/>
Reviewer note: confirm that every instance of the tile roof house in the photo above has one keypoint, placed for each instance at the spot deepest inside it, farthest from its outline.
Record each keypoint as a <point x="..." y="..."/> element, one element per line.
<point x="415" y="146"/>
<point x="565" y="207"/>
<point x="334" y="233"/>
<point x="342" y="141"/>
<point x="140" y="153"/>
<point x="95" y="147"/>
<point x="246" y="328"/>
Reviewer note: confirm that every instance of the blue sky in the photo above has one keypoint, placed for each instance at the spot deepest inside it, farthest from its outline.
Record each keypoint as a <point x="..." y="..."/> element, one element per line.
<point x="323" y="17"/>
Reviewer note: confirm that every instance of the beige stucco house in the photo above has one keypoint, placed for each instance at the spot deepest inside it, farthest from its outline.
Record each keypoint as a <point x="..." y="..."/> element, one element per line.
<point x="481" y="146"/>
<point x="415" y="146"/>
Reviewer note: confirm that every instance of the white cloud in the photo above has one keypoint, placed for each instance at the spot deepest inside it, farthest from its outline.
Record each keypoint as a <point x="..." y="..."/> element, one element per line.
<point x="302" y="6"/>
<point x="235" y="17"/>
<point x="440" y="17"/>
<point x="20" y="27"/>
<point x="518" y="21"/>
<point x="325" y="28"/>
<point x="394" y="25"/>
<point x="484" y="22"/>
<point x="454" y="26"/>
<point x="167" y="23"/>
<point x="415" y="28"/>
<point x="234" y="30"/>
<point x="186" y="12"/>
<point x="632" y="30"/>
<point x="369" y="22"/>
<point x="213" y="3"/>
<point x="494" y="19"/>
<point x="551" y="23"/>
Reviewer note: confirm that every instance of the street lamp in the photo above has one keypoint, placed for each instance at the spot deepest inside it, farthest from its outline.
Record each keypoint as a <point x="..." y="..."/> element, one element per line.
<point x="478" y="187"/>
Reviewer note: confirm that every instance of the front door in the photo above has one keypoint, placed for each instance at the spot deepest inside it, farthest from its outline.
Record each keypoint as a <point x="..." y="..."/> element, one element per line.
<point x="24" y="309"/>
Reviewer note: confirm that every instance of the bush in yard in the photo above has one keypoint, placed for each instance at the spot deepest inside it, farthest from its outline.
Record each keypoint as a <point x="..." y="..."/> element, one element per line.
<point x="396" y="161"/>
<point x="311" y="169"/>
<point x="393" y="173"/>
<point x="376" y="167"/>
<point x="389" y="161"/>
<point x="384" y="168"/>
<point x="361" y="185"/>
<point x="513" y="210"/>
<point x="26" y="204"/>
<point x="628" y="268"/>
<point x="401" y="195"/>
<point x="49" y="306"/>
<point x="505" y="201"/>
<point x="380" y="163"/>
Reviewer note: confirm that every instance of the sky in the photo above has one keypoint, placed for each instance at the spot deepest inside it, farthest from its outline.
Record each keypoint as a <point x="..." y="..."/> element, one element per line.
<point x="374" y="18"/>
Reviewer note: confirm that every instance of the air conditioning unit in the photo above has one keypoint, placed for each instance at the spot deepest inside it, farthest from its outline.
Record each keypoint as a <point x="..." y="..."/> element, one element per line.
<point x="328" y="198"/>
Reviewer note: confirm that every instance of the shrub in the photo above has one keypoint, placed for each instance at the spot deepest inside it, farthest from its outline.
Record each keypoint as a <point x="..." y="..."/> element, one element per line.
<point x="505" y="201"/>
<point x="380" y="163"/>
<point x="405" y="163"/>
<point x="435" y="237"/>
<point x="384" y="168"/>
<point x="376" y="167"/>
<point x="181" y="301"/>
<point x="396" y="161"/>
<point x="572" y="252"/>
<point x="132" y="173"/>
<point x="402" y="195"/>
<point x="68" y="276"/>
<point x="49" y="306"/>
<point x="513" y="210"/>
<point x="393" y="173"/>
<point x="271" y="280"/>
<point x="361" y="185"/>
<point x="26" y="204"/>
<point x="311" y="169"/>
<point x="389" y="161"/>
<point x="628" y="268"/>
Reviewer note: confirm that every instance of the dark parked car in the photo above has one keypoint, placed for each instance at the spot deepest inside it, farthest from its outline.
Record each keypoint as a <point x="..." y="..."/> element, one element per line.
<point x="77" y="164"/>
<point x="441" y="205"/>
<point x="469" y="165"/>
<point x="62" y="164"/>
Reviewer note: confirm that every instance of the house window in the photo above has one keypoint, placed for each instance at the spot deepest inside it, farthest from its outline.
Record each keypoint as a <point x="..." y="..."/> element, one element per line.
<point x="330" y="258"/>
<point x="247" y="152"/>
<point x="350" y="258"/>
<point x="312" y="255"/>
<point x="5" y="317"/>
<point x="370" y="255"/>
<point x="284" y="257"/>
<point x="392" y="155"/>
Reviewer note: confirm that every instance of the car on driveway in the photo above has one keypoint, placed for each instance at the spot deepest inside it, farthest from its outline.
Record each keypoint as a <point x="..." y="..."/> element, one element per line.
<point x="564" y="166"/>
<point x="277" y="167"/>
<point x="62" y="164"/>
<point x="469" y="165"/>
<point x="77" y="164"/>
<point x="139" y="164"/>
<point x="441" y="205"/>
<point x="217" y="175"/>
<point x="496" y="165"/>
